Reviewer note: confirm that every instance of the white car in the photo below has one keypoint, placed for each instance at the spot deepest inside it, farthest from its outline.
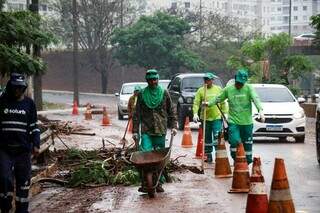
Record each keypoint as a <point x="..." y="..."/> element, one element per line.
<point x="164" y="83"/>
<point x="126" y="92"/>
<point x="283" y="114"/>
<point x="306" y="36"/>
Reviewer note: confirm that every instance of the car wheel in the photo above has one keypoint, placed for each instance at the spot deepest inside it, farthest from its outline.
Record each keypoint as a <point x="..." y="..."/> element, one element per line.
<point x="299" y="139"/>
<point x="181" y="119"/>
<point x="120" y="117"/>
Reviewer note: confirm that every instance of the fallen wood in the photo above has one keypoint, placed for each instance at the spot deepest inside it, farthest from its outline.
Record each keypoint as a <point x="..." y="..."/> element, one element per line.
<point x="83" y="133"/>
<point x="52" y="180"/>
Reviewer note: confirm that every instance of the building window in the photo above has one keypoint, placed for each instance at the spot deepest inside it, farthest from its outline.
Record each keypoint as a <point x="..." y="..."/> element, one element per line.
<point x="187" y="4"/>
<point x="305" y="18"/>
<point x="305" y="27"/>
<point x="273" y="18"/>
<point x="43" y="7"/>
<point x="285" y="19"/>
<point x="295" y="8"/>
<point x="295" y="27"/>
<point x="174" y="5"/>
<point x="279" y="9"/>
<point x="272" y="28"/>
<point x="295" y="18"/>
<point x="279" y="28"/>
<point x="305" y="8"/>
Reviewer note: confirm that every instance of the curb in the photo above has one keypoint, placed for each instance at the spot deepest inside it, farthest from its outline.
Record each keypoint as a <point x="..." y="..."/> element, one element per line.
<point x="81" y="93"/>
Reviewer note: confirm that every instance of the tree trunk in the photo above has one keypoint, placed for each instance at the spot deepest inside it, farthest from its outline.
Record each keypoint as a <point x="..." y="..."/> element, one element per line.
<point x="75" y="53"/>
<point x="104" y="81"/>
<point x="37" y="81"/>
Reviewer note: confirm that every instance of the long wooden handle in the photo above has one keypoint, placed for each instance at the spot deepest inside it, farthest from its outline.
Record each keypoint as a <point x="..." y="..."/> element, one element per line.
<point x="204" y="125"/>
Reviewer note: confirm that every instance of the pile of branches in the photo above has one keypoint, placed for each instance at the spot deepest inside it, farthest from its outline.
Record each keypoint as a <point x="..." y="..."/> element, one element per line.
<point x="97" y="167"/>
<point x="60" y="127"/>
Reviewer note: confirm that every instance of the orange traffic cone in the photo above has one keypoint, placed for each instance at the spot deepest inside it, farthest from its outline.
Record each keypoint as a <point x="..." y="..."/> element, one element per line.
<point x="199" y="150"/>
<point x="187" y="138"/>
<point x="257" y="200"/>
<point x="105" y="118"/>
<point x="75" y="110"/>
<point x="130" y="126"/>
<point x="222" y="168"/>
<point x="88" y="113"/>
<point x="240" y="181"/>
<point x="280" y="197"/>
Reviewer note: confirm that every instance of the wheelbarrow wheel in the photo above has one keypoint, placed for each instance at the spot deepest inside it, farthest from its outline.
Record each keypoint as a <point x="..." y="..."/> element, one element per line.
<point x="150" y="188"/>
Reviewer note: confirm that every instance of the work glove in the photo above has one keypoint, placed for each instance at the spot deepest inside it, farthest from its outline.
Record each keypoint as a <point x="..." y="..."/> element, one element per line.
<point x="261" y="117"/>
<point x="205" y="103"/>
<point x="174" y="131"/>
<point x="196" y="118"/>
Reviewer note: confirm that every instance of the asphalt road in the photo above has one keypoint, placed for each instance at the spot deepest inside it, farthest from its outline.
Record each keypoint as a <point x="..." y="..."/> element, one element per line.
<point x="300" y="159"/>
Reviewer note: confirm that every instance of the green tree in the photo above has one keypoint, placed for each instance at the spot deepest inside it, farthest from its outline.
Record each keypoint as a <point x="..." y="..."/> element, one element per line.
<point x="156" y="42"/>
<point x="283" y="67"/>
<point x="17" y="31"/>
<point x="315" y="23"/>
<point x="96" y="21"/>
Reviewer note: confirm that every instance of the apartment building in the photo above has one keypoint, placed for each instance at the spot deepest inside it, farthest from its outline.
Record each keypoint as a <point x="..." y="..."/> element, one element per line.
<point x="266" y="16"/>
<point x="45" y="7"/>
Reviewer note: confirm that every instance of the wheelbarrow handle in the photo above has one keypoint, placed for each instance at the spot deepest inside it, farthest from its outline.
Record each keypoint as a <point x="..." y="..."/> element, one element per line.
<point x="171" y="140"/>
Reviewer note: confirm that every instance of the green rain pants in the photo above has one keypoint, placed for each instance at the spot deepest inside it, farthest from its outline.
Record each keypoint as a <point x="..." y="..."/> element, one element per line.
<point x="212" y="132"/>
<point x="150" y="142"/>
<point x="241" y="134"/>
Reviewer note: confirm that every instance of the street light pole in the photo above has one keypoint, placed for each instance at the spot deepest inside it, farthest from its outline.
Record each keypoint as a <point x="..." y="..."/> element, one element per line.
<point x="200" y="21"/>
<point x="290" y="5"/>
<point x="75" y="52"/>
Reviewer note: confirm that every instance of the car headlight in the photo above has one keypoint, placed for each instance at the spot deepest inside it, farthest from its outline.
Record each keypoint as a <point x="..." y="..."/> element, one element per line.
<point x="123" y="103"/>
<point x="298" y="115"/>
<point x="180" y="100"/>
<point x="189" y="100"/>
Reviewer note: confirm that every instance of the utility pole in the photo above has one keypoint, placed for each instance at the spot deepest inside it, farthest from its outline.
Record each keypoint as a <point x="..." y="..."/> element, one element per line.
<point x="290" y="5"/>
<point x="75" y="51"/>
<point x="37" y="78"/>
<point x="200" y="20"/>
<point x="121" y="25"/>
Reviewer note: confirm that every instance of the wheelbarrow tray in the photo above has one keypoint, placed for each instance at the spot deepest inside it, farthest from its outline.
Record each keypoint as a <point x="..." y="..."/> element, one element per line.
<point x="153" y="160"/>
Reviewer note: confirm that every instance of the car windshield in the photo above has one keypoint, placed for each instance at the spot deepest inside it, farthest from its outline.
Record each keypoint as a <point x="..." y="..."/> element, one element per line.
<point x="129" y="89"/>
<point x="268" y="94"/>
<point x="193" y="83"/>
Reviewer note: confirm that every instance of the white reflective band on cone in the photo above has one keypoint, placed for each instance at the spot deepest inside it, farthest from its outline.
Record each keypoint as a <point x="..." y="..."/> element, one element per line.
<point x="233" y="149"/>
<point x="242" y="170"/>
<point x="221" y="154"/>
<point x="257" y="188"/>
<point x="280" y="195"/>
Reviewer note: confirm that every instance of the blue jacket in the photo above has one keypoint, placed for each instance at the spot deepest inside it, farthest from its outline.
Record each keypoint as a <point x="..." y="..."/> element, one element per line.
<point x="18" y="124"/>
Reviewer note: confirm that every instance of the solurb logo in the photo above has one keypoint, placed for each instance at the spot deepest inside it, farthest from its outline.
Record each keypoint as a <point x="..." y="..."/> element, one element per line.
<point x="14" y="111"/>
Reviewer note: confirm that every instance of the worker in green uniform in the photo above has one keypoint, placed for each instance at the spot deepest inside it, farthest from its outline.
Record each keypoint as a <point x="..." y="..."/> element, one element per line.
<point x="213" y="115"/>
<point x="152" y="116"/>
<point x="240" y="97"/>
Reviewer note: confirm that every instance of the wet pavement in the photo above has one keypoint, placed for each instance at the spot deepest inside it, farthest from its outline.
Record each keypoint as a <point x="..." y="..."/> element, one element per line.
<point x="192" y="192"/>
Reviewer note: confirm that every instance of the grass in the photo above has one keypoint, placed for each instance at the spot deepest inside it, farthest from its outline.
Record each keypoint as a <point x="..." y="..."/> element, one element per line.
<point x="52" y="106"/>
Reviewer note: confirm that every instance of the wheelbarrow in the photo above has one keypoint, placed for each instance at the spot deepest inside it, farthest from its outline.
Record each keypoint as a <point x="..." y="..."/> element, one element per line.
<point x="151" y="165"/>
